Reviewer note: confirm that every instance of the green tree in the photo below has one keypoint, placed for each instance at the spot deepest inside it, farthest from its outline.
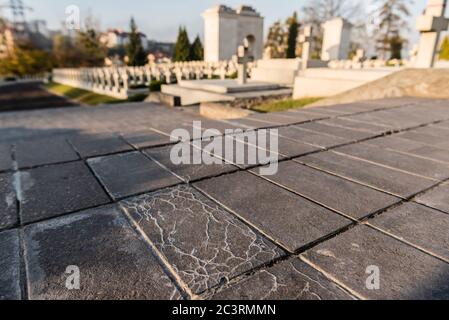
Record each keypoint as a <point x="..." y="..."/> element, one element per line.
<point x="197" y="50"/>
<point x="182" y="47"/>
<point x="396" y="45"/>
<point x="276" y="40"/>
<point x="65" y="53"/>
<point x="135" y="51"/>
<point x="392" y="16"/>
<point x="90" y="50"/>
<point x="25" y="61"/>
<point x="444" y="52"/>
<point x="293" y="27"/>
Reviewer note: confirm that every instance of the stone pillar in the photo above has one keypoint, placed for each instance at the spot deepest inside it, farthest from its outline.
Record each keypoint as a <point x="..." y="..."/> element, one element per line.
<point x="336" y="40"/>
<point x="431" y="24"/>
<point x="305" y="39"/>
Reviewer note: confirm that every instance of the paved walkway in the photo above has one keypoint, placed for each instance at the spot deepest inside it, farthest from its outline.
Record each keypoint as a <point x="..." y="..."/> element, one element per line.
<point x="361" y="189"/>
<point x="29" y="96"/>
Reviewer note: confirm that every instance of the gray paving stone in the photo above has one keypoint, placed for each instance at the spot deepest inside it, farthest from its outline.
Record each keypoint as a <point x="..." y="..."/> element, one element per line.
<point x="290" y="148"/>
<point x="333" y="192"/>
<point x="412" y="147"/>
<point x="131" y="173"/>
<point x="436" y="141"/>
<point x="352" y="135"/>
<point x="205" y="244"/>
<point x="422" y="226"/>
<point x="405" y="272"/>
<point x="355" y="125"/>
<point x="114" y="263"/>
<point x="189" y="172"/>
<point x="5" y="157"/>
<point x="317" y="139"/>
<point x="290" y="220"/>
<point x="53" y="190"/>
<point x="9" y="265"/>
<point x="8" y="207"/>
<point x="300" y="116"/>
<point x="395" y="182"/>
<point x="92" y="145"/>
<point x="32" y="153"/>
<point x="408" y="163"/>
<point x="437" y="198"/>
<point x="146" y="139"/>
<point x="282" y="120"/>
<point x="289" y="280"/>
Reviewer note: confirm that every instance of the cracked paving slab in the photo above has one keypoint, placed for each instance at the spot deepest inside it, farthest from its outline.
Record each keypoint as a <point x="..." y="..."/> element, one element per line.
<point x="288" y="280"/>
<point x="206" y="245"/>
<point x="5" y="157"/>
<point x="404" y="271"/>
<point x="113" y="261"/>
<point x="8" y="204"/>
<point x="9" y="265"/>
<point x="286" y="218"/>
<point x="344" y="196"/>
<point x="422" y="226"/>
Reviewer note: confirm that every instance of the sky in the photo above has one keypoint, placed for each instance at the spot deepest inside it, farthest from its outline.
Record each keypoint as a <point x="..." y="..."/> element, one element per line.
<point x="160" y="19"/>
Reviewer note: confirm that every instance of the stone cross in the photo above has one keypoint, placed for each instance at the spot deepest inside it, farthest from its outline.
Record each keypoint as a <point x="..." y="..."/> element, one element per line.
<point x="243" y="59"/>
<point x="431" y="24"/>
<point x="306" y="40"/>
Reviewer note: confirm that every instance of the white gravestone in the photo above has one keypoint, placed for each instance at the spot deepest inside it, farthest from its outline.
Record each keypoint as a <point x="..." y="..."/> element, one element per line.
<point x="431" y="24"/>
<point x="226" y="28"/>
<point x="336" y="40"/>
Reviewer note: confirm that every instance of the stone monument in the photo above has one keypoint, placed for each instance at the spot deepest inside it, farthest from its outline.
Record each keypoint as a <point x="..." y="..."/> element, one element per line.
<point x="226" y="28"/>
<point x="336" y="40"/>
<point x="431" y="24"/>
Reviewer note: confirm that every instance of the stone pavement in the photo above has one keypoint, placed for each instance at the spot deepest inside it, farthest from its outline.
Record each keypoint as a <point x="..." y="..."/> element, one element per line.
<point x="359" y="186"/>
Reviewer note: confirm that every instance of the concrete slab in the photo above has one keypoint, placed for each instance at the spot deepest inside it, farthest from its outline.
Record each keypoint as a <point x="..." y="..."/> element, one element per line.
<point x="424" y="227"/>
<point x="289" y="280"/>
<point x="336" y="193"/>
<point x="437" y="198"/>
<point x="409" y="163"/>
<point x="32" y="153"/>
<point x="10" y="265"/>
<point x="352" y="135"/>
<point x="320" y="140"/>
<point x="54" y="190"/>
<point x="113" y="261"/>
<point x="146" y="139"/>
<point x="130" y="174"/>
<point x="392" y="181"/>
<point x="94" y="145"/>
<point x="227" y="86"/>
<point x="8" y="206"/>
<point x="436" y="141"/>
<point x="5" y="157"/>
<point x="290" y="220"/>
<point x="220" y="248"/>
<point x="189" y="172"/>
<point x="355" y="125"/>
<point x="405" y="272"/>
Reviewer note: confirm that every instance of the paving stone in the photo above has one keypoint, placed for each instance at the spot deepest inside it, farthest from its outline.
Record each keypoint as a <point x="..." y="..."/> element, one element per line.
<point x="320" y="140"/>
<point x="5" y="157"/>
<point x="300" y="116"/>
<point x="412" y="147"/>
<point x="333" y="192"/>
<point x="146" y="139"/>
<point x="289" y="280"/>
<point x="189" y="172"/>
<point x="289" y="148"/>
<point x="393" y="181"/>
<point x="205" y="244"/>
<point x="53" y="190"/>
<point x="8" y="207"/>
<point x="32" y="153"/>
<point x="9" y="265"/>
<point x="352" y="135"/>
<point x="355" y="125"/>
<point x="114" y="263"/>
<point x="274" y="118"/>
<point x="405" y="272"/>
<point x="408" y="163"/>
<point x="424" y="227"/>
<point x="93" y="145"/>
<point x="437" y="198"/>
<point x="290" y="220"/>
<point x="131" y="173"/>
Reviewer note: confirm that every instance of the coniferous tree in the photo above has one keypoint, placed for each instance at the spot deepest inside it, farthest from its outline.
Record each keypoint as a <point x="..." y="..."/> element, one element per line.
<point x="293" y="26"/>
<point x="135" y="51"/>
<point x="197" y="50"/>
<point x="444" y="52"/>
<point x="182" y="47"/>
<point x="91" y="52"/>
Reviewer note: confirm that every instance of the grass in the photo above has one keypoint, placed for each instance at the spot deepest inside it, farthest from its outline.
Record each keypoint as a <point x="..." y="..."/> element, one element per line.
<point x="87" y="97"/>
<point x="284" y="105"/>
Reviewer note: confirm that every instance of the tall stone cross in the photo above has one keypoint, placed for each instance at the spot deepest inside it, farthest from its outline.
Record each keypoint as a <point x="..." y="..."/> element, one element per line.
<point x="431" y="24"/>
<point x="244" y="58"/>
<point x="306" y="40"/>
